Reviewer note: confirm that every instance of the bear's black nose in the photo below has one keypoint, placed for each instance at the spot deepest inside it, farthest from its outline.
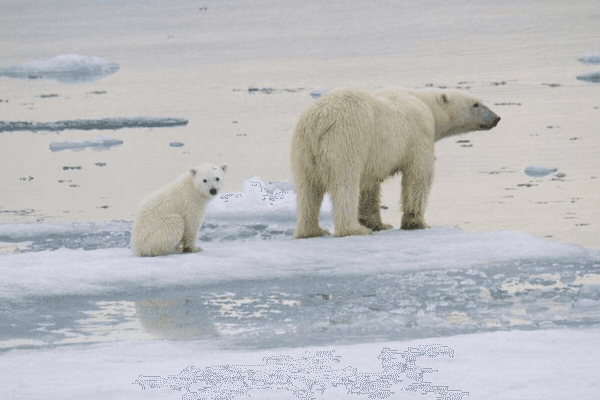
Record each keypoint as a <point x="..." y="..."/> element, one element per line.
<point x="213" y="191"/>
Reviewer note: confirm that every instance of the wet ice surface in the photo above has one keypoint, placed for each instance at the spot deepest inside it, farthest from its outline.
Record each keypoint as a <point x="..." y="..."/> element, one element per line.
<point x="89" y="124"/>
<point x="64" y="68"/>
<point x="254" y="287"/>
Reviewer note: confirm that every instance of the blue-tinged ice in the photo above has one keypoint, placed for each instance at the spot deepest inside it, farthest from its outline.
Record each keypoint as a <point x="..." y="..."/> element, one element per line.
<point x="590" y="58"/>
<point x="89" y="124"/>
<point x="98" y="143"/>
<point x="64" y="68"/>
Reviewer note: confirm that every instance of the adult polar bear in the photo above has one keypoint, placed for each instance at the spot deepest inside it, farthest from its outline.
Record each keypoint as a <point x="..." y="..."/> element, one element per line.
<point x="349" y="141"/>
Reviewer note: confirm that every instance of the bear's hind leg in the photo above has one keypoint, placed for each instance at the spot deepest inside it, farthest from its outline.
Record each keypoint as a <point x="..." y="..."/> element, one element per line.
<point x="156" y="235"/>
<point x="309" y="196"/>
<point x="369" y="212"/>
<point x="345" y="193"/>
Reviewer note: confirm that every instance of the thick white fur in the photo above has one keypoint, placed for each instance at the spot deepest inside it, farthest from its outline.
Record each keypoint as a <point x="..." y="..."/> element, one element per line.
<point x="170" y="218"/>
<point x="349" y="141"/>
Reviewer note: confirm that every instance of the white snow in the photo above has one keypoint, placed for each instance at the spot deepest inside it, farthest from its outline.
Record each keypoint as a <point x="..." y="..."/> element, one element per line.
<point x="549" y="365"/>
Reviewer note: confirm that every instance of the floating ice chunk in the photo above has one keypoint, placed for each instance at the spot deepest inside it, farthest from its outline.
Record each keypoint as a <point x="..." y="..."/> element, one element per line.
<point x="589" y="58"/>
<point x="594" y="77"/>
<point x="176" y="144"/>
<point x="89" y="124"/>
<point x="539" y="170"/>
<point x="98" y="143"/>
<point x="65" y="68"/>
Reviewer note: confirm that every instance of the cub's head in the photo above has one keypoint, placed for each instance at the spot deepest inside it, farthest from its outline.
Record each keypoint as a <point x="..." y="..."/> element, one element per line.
<point x="209" y="179"/>
<point x="457" y="112"/>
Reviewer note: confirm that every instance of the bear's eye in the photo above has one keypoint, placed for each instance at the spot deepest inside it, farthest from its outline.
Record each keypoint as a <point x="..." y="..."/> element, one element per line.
<point x="204" y="180"/>
<point x="476" y="105"/>
<point x="217" y="179"/>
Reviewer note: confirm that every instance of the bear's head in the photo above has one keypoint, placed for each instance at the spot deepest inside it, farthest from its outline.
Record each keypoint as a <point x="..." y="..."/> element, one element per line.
<point x="457" y="112"/>
<point x="208" y="179"/>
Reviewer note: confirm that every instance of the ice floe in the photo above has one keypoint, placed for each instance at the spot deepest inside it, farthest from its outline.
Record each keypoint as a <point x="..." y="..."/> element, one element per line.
<point x="539" y="170"/>
<point x="98" y="143"/>
<point x="65" y="68"/>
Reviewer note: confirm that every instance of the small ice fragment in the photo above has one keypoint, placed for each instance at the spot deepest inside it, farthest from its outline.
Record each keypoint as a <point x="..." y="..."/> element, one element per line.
<point x="560" y="175"/>
<point x="315" y="94"/>
<point x="594" y="77"/>
<point x="539" y="170"/>
<point x="176" y="144"/>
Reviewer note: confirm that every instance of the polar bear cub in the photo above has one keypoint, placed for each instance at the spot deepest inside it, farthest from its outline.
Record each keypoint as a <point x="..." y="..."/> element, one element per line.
<point x="170" y="218"/>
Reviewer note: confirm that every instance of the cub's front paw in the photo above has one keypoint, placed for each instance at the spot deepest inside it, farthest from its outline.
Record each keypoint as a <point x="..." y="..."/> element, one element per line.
<point x="193" y="249"/>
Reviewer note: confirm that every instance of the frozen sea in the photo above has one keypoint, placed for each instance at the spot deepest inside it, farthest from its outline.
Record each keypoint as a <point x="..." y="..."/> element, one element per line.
<point x="102" y="102"/>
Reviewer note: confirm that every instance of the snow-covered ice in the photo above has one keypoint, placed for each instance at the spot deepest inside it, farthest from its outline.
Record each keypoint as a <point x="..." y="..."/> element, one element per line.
<point x="65" y="68"/>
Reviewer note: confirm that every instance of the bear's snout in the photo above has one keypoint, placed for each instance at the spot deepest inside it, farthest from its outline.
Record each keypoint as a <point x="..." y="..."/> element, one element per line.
<point x="488" y="118"/>
<point x="213" y="191"/>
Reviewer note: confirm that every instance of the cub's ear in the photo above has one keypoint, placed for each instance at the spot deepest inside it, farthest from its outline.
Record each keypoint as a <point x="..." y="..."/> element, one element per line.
<point x="444" y="99"/>
<point x="224" y="168"/>
<point x="193" y="172"/>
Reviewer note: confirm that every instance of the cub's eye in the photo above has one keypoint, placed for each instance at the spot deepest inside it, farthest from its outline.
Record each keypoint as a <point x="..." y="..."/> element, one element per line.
<point x="217" y="179"/>
<point x="476" y="105"/>
<point x="204" y="180"/>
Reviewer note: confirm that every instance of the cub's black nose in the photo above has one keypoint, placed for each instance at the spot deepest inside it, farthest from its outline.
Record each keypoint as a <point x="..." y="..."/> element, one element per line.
<point x="213" y="191"/>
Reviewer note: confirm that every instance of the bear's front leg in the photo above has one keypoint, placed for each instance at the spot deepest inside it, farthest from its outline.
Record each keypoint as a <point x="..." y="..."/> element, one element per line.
<point x="190" y="237"/>
<point x="369" y="210"/>
<point x="416" y="184"/>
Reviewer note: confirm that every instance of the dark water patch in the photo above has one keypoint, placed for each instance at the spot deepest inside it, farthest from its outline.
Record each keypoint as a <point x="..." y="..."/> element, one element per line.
<point x="176" y="144"/>
<point x="92" y="124"/>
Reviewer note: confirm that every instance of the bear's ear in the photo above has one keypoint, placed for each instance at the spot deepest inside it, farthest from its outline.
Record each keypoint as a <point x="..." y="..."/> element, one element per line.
<point x="444" y="99"/>
<point x="224" y="168"/>
<point x="193" y="172"/>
